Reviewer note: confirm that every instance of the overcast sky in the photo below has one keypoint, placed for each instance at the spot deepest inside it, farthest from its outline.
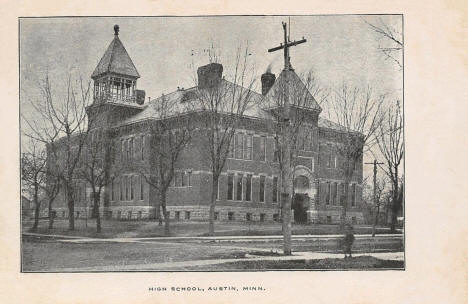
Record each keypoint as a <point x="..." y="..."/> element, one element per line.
<point x="339" y="48"/>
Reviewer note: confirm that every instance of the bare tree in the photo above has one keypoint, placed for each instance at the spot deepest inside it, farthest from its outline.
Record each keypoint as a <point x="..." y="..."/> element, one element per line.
<point x="289" y="104"/>
<point x="33" y="163"/>
<point x="61" y="125"/>
<point x="359" y="115"/>
<point x="390" y="40"/>
<point x="389" y="138"/>
<point x="51" y="189"/>
<point x="170" y="132"/>
<point x="94" y="168"/>
<point x="222" y="105"/>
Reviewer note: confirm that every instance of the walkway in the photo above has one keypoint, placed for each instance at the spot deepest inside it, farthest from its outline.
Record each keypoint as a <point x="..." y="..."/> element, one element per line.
<point x="398" y="256"/>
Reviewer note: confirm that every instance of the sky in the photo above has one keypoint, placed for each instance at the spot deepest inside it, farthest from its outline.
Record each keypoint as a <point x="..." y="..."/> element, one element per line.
<point x="339" y="48"/>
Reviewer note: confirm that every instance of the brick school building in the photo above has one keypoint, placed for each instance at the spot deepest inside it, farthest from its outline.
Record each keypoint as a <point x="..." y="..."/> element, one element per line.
<point x="248" y="188"/>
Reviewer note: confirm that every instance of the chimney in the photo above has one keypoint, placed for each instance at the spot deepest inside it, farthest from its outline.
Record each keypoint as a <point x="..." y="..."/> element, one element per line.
<point x="209" y="75"/>
<point x="268" y="79"/>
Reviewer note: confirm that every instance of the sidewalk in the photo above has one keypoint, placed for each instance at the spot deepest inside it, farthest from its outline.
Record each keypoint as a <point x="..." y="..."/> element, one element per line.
<point x="399" y="256"/>
<point x="78" y="239"/>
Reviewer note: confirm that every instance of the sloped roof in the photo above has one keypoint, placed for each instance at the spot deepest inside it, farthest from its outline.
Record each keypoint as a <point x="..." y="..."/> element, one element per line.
<point x="184" y="101"/>
<point x="116" y="60"/>
<point x="299" y="95"/>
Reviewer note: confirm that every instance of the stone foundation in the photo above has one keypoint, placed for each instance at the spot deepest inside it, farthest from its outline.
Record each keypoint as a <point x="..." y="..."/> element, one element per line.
<point x="222" y="213"/>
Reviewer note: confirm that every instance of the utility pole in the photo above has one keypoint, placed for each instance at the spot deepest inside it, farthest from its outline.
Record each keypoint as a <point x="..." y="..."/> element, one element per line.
<point x="375" y="163"/>
<point x="287" y="191"/>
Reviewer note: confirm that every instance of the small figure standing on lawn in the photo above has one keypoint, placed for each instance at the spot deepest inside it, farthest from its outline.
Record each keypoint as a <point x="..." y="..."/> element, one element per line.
<point x="348" y="240"/>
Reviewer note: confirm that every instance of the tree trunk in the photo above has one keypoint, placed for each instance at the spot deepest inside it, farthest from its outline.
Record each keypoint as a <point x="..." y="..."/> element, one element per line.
<point x="376" y="216"/>
<point x="286" y="222"/>
<point x="96" y="199"/>
<point x="51" y="215"/>
<point x="71" y="210"/>
<point x="344" y="207"/>
<point x="395" y="202"/>
<point x="36" y="209"/>
<point x="162" y="197"/>
<point x="214" y="190"/>
<point x="160" y="213"/>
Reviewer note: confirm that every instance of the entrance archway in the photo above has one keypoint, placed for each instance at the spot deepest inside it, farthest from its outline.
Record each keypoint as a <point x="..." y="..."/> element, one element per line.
<point x="300" y="203"/>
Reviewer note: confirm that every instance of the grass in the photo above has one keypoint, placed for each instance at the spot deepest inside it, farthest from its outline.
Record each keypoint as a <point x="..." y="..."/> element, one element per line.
<point x="358" y="263"/>
<point x="147" y="228"/>
<point x="42" y="254"/>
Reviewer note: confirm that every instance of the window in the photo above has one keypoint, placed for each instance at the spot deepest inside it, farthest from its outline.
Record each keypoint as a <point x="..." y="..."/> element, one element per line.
<point x="187" y="215"/>
<point x="141" y="187"/>
<point x="131" y="147"/>
<point x="248" y="147"/>
<point x="318" y="193"/>
<point x="262" y="217"/>
<point x="127" y="186"/>
<point x="262" y="156"/>
<point x="119" y="214"/>
<point x="239" y="145"/>
<point x="216" y="216"/>
<point x="344" y="199"/>
<point x="231" y="148"/>
<point x="327" y="201"/>
<point x="353" y="197"/>
<point x="131" y="187"/>
<point x="77" y="214"/>
<point x="312" y="165"/>
<point x="121" y="188"/>
<point x="127" y="145"/>
<point x="189" y="178"/>
<point x="177" y="215"/>
<point x="217" y="189"/>
<point x="136" y="151"/>
<point x="248" y="216"/>
<point x="239" y="187"/>
<point x="309" y="141"/>
<point x="122" y="156"/>
<point x="329" y="160"/>
<point x="142" y="147"/>
<point x="129" y="215"/>
<point x="334" y="193"/>
<point x="353" y="220"/>
<point x="231" y="216"/>
<point x="275" y="189"/>
<point x="276" y="217"/>
<point x="230" y="194"/>
<point x="335" y="161"/>
<point x="329" y="219"/>
<point x="139" y="215"/>
<point x="262" y="189"/>
<point x="248" y="188"/>
<point x="277" y="152"/>
<point x="112" y="190"/>
<point x="184" y="179"/>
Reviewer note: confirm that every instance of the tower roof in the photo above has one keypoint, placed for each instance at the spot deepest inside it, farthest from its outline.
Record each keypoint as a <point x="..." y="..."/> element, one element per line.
<point x="116" y="60"/>
<point x="288" y="82"/>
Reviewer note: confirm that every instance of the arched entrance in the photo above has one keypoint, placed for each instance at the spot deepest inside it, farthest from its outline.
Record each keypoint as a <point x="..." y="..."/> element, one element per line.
<point x="300" y="203"/>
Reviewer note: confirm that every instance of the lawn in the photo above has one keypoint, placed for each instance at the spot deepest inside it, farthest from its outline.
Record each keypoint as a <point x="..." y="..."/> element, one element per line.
<point x="52" y="255"/>
<point x="114" y="228"/>
<point x="358" y="263"/>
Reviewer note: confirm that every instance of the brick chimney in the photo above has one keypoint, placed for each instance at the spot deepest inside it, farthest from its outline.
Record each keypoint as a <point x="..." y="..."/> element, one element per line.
<point x="209" y="75"/>
<point x="268" y="79"/>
